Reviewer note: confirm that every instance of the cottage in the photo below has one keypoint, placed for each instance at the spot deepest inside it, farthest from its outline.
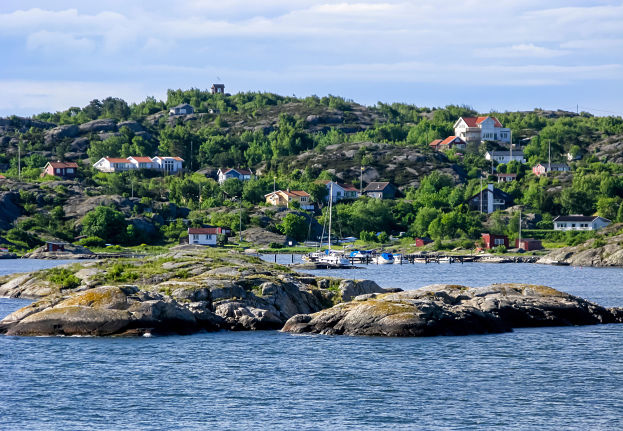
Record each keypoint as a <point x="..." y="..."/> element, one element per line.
<point x="340" y="191"/>
<point x="528" y="244"/>
<point x="380" y="190"/>
<point x="478" y="129"/>
<point x="217" y="89"/>
<point x="55" y="246"/>
<point x="505" y="156"/>
<point x="421" y="242"/>
<point x="65" y="170"/>
<point x="203" y="235"/>
<point x="139" y="162"/>
<point x="182" y="109"/>
<point x="288" y="197"/>
<point x="170" y="165"/>
<point x="240" y="174"/>
<point x="449" y="143"/>
<point x="492" y="240"/>
<point x="505" y="178"/>
<point x="113" y="164"/>
<point x="493" y="199"/>
<point x="580" y="222"/>
<point x="541" y="169"/>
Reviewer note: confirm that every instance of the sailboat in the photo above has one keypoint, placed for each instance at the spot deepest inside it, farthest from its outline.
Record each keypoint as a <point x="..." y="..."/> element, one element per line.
<point x="331" y="256"/>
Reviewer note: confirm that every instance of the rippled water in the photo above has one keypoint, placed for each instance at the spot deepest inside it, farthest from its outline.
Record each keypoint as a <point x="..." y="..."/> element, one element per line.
<point x="544" y="378"/>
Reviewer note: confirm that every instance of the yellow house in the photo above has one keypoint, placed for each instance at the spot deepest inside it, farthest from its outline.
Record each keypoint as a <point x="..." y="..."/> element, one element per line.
<point x="287" y="197"/>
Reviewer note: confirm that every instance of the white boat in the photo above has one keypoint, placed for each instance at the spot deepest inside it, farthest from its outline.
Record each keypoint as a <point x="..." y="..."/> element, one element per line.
<point x="330" y="256"/>
<point x="398" y="259"/>
<point x="383" y="258"/>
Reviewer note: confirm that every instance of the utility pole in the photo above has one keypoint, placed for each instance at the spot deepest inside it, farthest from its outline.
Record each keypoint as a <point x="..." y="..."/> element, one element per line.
<point x="511" y="147"/>
<point x="480" y="199"/>
<point x="19" y="159"/>
<point x="240" y="227"/>
<point x="519" y="242"/>
<point x="361" y="181"/>
<point x="549" y="156"/>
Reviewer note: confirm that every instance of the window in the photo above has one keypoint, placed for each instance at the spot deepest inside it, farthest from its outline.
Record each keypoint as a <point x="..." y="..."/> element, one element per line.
<point x="499" y="241"/>
<point x="70" y="170"/>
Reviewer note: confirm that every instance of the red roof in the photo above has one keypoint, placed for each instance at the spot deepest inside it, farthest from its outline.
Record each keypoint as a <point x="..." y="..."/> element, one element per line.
<point x="141" y="159"/>
<point x="452" y="139"/>
<point x="435" y="142"/>
<point x="116" y="160"/>
<point x="299" y="193"/>
<point x="203" y="230"/>
<point x="2" y="177"/>
<point x="475" y="121"/>
<point x="61" y="165"/>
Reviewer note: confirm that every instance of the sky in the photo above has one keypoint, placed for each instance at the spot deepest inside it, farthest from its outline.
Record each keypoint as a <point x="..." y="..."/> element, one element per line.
<point x="501" y="55"/>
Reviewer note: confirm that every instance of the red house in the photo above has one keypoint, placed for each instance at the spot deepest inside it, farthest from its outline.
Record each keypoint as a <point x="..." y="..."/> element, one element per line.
<point x="60" y="169"/>
<point x="421" y="242"/>
<point x="492" y="240"/>
<point x="529" y="244"/>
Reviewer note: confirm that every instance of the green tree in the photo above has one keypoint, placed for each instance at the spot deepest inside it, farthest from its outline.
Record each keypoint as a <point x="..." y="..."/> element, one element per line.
<point x="293" y="226"/>
<point x="106" y="223"/>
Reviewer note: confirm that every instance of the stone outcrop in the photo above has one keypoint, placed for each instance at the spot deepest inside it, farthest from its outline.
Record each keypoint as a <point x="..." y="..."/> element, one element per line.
<point x="454" y="310"/>
<point x="9" y="209"/>
<point x="97" y="126"/>
<point x="71" y="252"/>
<point x="61" y="132"/>
<point x="601" y="251"/>
<point x="109" y="310"/>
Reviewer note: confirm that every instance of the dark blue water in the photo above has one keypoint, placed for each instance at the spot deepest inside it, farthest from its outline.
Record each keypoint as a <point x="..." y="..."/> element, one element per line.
<point x="551" y="378"/>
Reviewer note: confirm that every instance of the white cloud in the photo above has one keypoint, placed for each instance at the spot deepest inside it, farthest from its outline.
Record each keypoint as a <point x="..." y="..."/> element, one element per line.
<point x="520" y="50"/>
<point x="52" y="42"/>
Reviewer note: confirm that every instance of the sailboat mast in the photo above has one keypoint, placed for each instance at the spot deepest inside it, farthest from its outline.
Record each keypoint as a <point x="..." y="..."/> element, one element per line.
<point x="330" y="211"/>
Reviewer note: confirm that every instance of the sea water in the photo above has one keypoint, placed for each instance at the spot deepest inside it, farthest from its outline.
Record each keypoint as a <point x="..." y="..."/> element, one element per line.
<point x="539" y="378"/>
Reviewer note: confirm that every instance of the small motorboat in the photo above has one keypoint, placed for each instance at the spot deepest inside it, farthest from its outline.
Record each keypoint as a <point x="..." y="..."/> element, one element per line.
<point x="383" y="258"/>
<point x="398" y="259"/>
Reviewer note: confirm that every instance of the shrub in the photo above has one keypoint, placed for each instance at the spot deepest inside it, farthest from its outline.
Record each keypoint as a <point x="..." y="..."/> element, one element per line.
<point x="92" y="241"/>
<point x="275" y="245"/>
<point x="500" y="249"/>
<point x="64" y="278"/>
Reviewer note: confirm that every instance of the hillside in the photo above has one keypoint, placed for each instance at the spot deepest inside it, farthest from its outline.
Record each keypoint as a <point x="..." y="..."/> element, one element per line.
<point x="290" y="143"/>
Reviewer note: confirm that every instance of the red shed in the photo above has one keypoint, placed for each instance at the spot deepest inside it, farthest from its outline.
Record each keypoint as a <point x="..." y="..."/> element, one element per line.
<point x="55" y="246"/>
<point x="60" y="169"/>
<point x="529" y="244"/>
<point x="421" y="242"/>
<point x="492" y="240"/>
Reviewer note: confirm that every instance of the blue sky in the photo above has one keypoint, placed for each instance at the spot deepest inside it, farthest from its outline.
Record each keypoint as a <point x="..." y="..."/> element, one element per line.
<point x="491" y="55"/>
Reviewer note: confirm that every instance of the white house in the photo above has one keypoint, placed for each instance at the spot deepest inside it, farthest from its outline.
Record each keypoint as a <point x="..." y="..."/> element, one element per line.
<point x="542" y="168"/>
<point x="340" y="191"/>
<point x="170" y="165"/>
<point x="493" y="199"/>
<point x="113" y="164"/>
<point x="140" y="162"/>
<point x="580" y="222"/>
<point x="240" y="174"/>
<point x="477" y="129"/>
<point x="505" y="156"/>
<point x="202" y="235"/>
<point x="182" y="109"/>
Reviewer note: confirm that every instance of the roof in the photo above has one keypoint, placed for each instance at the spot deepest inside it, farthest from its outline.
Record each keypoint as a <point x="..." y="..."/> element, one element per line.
<point x="578" y="218"/>
<point x="506" y="153"/>
<point x="61" y="165"/>
<point x="240" y="171"/>
<point x="298" y="193"/>
<point x="435" y="142"/>
<point x="203" y="230"/>
<point x="475" y="121"/>
<point x="376" y="186"/>
<point x="116" y="160"/>
<point x="182" y="105"/>
<point x="496" y="193"/>
<point x="218" y="85"/>
<point x="505" y="175"/>
<point x="291" y="193"/>
<point x="344" y="186"/>
<point x="451" y="139"/>
<point x="169" y="158"/>
<point x="141" y="159"/>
